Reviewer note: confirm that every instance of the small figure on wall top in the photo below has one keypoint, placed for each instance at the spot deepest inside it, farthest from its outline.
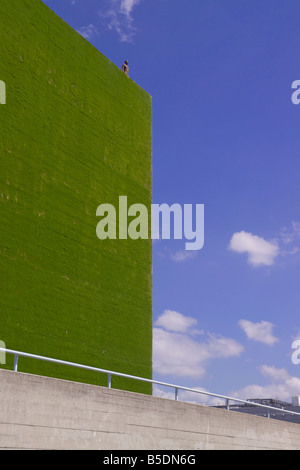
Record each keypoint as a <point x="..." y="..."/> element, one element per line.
<point x="125" y="68"/>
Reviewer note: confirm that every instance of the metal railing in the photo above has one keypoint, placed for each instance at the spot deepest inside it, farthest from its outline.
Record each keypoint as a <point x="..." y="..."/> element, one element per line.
<point x="110" y="373"/>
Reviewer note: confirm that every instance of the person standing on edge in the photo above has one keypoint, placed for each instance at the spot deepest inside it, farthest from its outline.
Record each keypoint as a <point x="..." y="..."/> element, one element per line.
<point x="125" y="68"/>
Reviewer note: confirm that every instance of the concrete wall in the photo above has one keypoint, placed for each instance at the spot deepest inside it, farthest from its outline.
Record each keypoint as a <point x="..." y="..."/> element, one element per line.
<point x="46" y="413"/>
<point x="75" y="133"/>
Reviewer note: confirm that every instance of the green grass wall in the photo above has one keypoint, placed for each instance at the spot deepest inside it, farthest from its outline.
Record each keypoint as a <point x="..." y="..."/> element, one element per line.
<point x="75" y="133"/>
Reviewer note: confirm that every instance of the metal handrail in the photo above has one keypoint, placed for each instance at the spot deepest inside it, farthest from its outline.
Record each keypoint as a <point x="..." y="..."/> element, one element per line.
<point x="142" y="379"/>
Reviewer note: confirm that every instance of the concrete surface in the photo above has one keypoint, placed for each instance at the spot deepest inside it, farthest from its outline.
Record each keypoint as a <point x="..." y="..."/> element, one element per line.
<point x="45" y="413"/>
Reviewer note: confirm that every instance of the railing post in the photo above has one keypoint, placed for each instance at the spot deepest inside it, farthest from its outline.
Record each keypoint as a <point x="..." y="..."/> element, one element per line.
<point x="268" y="413"/>
<point x="176" y="394"/>
<point x="16" y="363"/>
<point x="109" y="381"/>
<point x="227" y="405"/>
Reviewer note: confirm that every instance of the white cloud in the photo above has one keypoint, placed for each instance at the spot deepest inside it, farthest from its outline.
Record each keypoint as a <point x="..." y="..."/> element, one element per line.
<point x="282" y="386"/>
<point x="127" y="6"/>
<point x="88" y="32"/>
<point x="274" y="373"/>
<point x="220" y="347"/>
<point x="261" y="332"/>
<point x="260" y="251"/>
<point x="175" y="321"/>
<point x="176" y="352"/>
<point x="291" y="251"/>
<point x="183" y="255"/>
<point x="117" y="15"/>
<point x="187" y="396"/>
<point x="290" y="235"/>
<point x="290" y="239"/>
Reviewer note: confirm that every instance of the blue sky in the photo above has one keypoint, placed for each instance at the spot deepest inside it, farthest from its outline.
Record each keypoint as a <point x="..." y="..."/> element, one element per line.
<point x="226" y="135"/>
